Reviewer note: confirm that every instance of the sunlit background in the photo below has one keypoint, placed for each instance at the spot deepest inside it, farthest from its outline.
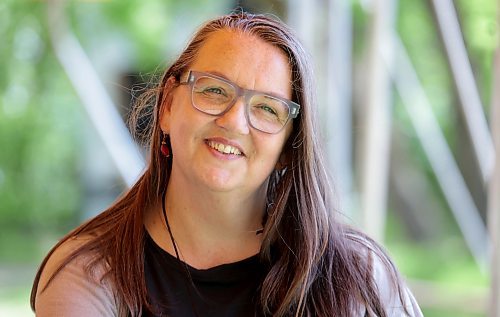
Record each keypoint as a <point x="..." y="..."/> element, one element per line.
<point x="406" y="116"/>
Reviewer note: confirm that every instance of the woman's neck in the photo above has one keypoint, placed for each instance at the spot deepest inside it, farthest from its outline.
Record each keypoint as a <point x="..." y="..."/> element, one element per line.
<point x="209" y="228"/>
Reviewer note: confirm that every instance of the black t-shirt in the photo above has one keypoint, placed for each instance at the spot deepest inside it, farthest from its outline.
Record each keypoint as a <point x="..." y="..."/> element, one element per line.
<point x="224" y="290"/>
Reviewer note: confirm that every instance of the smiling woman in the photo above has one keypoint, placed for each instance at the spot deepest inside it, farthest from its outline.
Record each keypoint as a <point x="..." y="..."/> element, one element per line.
<point x="234" y="214"/>
<point x="198" y="165"/>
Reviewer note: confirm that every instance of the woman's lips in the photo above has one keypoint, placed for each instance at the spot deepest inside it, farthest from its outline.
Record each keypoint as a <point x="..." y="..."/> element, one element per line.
<point x="224" y="147"/>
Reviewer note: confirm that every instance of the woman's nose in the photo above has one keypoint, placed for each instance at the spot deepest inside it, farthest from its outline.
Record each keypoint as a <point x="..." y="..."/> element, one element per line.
<point x="235" y="119"/>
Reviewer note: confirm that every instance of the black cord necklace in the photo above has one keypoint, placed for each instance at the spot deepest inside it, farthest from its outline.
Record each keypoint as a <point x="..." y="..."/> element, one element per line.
<point x="182" y="264"/>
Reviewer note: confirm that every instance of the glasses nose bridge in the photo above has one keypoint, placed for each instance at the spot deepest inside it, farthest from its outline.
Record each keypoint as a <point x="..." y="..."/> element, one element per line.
<point x="239" y="93"/>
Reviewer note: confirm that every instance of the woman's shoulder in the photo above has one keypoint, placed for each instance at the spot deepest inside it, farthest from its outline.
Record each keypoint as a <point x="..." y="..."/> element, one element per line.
<point x="70" y="286"/>
<point x="392" y="288"/>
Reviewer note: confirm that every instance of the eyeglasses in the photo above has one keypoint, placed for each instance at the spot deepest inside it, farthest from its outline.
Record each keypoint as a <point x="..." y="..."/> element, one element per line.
<point x="214" y="95"/>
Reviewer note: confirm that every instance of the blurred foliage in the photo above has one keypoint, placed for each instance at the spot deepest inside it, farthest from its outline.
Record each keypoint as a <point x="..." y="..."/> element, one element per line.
<point x="480" y="28"/>
<point x="43" y="125"/>
<point x="39" y="120"/>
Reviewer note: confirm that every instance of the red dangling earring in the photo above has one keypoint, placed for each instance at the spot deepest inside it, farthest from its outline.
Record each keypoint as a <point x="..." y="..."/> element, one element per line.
<point x="165" y="150"/>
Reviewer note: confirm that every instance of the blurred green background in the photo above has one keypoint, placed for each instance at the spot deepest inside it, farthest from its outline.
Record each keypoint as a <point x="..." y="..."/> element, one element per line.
<point x="55" y="171"/>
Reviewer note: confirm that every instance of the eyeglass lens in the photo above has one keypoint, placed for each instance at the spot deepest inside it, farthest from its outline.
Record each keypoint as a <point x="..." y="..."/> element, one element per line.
<point x="213" y="96"/>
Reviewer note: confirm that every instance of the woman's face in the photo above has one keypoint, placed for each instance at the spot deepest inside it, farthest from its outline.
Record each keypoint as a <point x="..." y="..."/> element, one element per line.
<point x="200" y="141"/>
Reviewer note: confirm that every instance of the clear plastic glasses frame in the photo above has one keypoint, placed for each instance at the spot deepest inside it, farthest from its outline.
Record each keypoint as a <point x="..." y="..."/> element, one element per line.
<point x="214" y="95"/>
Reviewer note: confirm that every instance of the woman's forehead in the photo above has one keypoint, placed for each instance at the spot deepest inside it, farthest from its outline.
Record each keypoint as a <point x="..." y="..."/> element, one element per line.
<point x="245" y="59"/>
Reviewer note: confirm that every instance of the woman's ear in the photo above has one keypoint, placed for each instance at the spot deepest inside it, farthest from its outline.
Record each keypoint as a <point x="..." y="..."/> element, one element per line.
<point x="166" y="104"/>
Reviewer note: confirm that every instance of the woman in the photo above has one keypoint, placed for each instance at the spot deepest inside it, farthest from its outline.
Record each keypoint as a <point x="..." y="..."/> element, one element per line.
<point x="234" y="214"/>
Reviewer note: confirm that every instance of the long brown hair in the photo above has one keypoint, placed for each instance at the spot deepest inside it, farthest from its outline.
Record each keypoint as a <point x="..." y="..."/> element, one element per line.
<point x="317" y="265"/>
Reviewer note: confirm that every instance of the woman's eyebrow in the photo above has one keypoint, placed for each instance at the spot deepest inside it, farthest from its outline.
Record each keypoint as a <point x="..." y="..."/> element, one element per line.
<point x="217" y="73"/>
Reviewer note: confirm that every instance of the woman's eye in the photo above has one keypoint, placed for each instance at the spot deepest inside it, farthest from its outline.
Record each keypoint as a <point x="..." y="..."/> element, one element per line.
<point x="268" y="109"/>
<point x="214" y="90"/>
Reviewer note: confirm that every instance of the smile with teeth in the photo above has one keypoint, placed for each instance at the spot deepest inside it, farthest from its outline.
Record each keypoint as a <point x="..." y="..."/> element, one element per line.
<point x="226" y="149"/>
